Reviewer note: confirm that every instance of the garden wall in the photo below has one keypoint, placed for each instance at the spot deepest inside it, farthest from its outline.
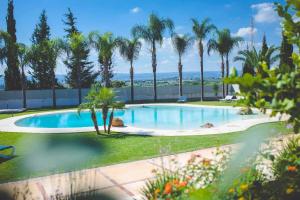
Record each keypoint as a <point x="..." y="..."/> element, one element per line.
<point x="69" y="97"/>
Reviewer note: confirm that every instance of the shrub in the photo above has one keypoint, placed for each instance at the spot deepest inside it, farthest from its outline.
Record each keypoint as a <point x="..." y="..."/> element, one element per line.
<point x="179" y="183"/>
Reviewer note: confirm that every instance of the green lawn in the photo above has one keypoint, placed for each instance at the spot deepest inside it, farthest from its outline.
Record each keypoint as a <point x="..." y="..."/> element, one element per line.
<point x="42" y="154"/>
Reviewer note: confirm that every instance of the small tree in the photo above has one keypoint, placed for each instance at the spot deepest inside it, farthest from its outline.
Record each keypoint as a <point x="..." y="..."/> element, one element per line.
<point x="92" y="103"/>
<point x="107" y="101"/>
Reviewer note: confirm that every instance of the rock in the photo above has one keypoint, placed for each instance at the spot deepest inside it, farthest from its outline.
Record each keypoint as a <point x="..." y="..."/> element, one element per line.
<point x="117" y="122"/>
<point x="245" y="111"/>
<point x="207" y="125"/>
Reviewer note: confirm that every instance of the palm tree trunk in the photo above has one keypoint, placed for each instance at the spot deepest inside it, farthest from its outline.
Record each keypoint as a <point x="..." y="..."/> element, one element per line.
<point x="104" y="117"/>
<point x="24" y="88"/>
<point x="110" y="120"/>
<point x="227" y="73"/>
<point x="222" y="69"/>
<point x="94" y="118"/>
<point x="53" y="90"/>
<point x="131" y="82"/>
<point x="201" y="66"/>
<point x="154" y="65"/>
<point x="106" y="76"/>
<point x="180" y="76"/>
<point x="79" y="84"/>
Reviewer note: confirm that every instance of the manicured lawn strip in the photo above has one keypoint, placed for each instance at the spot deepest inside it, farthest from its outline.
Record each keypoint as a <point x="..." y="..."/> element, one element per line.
<point x="106" y="150"/>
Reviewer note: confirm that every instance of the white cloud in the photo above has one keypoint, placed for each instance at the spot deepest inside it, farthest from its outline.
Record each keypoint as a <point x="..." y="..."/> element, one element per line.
<point x="265" y="13"/>
<point x="246" y="31"/>
<point x="135" y="10"/>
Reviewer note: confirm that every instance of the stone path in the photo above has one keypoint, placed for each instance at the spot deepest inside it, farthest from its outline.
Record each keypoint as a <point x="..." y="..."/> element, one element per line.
<point x="122" y="181"/>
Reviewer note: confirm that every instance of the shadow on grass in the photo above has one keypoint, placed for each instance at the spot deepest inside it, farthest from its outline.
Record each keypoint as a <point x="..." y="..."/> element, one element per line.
<point x="59" y="153"/>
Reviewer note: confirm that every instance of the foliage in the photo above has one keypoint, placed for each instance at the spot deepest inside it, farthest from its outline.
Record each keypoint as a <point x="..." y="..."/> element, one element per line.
<point x="92" y="104"/>
<point x="153" y="33"/>
<point x="105" y="45"/>
<point x="179" y="183"/>
<point x="70" y="23"/>
<point x="12" y="72"/>
<point x="80" y="74"/>
<point x="80" y="70"/>
<point x="40" y="62"/>
<point x="201" y="31"/>
<point x="284" y="168"/>
<point x="286" y="51"/>
<point x="271" y="87"/>
<point x="118" y="84"/>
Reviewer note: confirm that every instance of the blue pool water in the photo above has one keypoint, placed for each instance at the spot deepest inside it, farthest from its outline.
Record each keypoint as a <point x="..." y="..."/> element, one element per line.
<point x="169" y="117"/>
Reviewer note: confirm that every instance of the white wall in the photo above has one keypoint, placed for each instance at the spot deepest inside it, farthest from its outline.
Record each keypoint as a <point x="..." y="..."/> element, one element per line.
<point x="69" y="97"/>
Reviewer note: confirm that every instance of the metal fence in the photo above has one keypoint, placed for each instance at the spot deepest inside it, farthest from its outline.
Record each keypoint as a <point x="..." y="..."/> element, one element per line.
<point x="69" y="97"/>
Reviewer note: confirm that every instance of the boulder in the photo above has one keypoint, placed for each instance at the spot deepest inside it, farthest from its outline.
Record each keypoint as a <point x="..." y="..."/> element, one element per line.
<point x="245" y="111"/>
<point x="117" y="122"/>
<point x="207" y="125"/>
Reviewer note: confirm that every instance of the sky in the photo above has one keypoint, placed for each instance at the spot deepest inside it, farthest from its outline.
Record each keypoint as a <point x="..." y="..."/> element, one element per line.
<point x="119" y="16"/>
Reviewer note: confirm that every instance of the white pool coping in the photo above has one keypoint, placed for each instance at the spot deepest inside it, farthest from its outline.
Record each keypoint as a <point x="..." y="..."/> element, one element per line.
<point x="8" y="124"/>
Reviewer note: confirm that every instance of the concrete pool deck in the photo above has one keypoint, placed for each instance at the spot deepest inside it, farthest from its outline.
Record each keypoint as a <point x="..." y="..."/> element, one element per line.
<point x="8" y="125"/>
<point x="121" y="181"/>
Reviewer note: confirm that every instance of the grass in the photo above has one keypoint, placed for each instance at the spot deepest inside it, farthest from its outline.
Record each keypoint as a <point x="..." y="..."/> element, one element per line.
<point x="43" y="154"/>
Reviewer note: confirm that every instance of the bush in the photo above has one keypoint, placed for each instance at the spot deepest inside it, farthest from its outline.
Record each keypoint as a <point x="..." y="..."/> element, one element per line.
<point x="286" y="182"/>
<point x="179" y="183"/>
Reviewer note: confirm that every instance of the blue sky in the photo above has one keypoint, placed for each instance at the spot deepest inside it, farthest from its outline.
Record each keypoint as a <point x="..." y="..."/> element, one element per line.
<point x="118" y="16"/>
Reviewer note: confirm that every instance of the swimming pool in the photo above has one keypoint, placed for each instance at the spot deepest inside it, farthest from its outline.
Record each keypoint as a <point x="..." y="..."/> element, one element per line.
<point x="162" y="117"/>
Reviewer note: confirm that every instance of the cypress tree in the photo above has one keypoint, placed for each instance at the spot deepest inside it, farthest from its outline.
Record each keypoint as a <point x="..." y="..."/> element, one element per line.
<point x="40" y="62"/>
<point x="286" y="51"/>
<point x="264" y="47"/>
<point x="12" y="72"/>
<point x="77" y="62"/>
<point x="264" y="50"/>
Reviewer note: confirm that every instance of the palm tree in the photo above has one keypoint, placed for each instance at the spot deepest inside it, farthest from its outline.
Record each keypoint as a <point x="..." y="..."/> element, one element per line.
<point x="251" y="59"/>
<point x="106" y="100"/>
<point x="181" y="45"/>
<point x="4" y="39"/>
<point x="153" y="33"/>
<point x="219" y="45"/>
<point x="56" y="47"/>
<point x="130" y="50"/>
<point x="75" y="44"/>
<point x="92" y="103"/>
<point x="24" y="58"/>
<point x="105" y="45"/>
<point x="230" y="43"/>
<point x="201" y="31"/>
